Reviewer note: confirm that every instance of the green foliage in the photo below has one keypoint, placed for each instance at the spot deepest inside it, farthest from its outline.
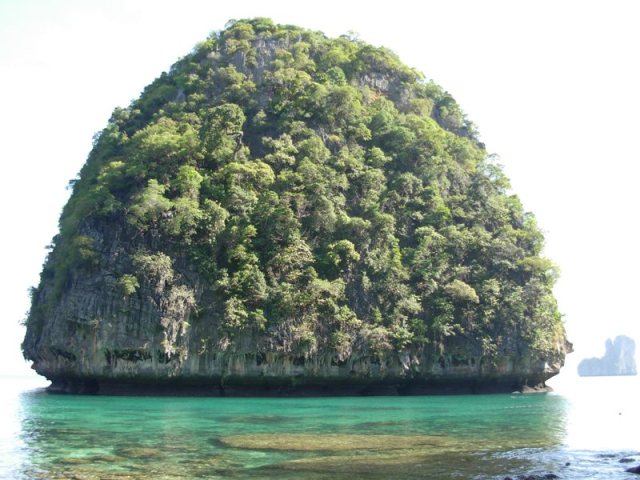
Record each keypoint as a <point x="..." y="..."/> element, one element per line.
<point x="128" y="284"/>
<point x="149" y="205"/>
<point x="327" y="196"/>
<point x="342" y="254"/>
<point x="188" y="181"/>
<point x="155" y="268"/>
<point x="378" y="340"/>
<point x="460" y="291"/>
<point x="221" y="131"/>
<point x="160" y="148"/>
<point x="82" y="252"/>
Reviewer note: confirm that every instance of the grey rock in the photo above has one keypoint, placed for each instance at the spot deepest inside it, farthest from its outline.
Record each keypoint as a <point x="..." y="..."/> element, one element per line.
<point x="633" y="469"/>
<point x="618" y="359"/>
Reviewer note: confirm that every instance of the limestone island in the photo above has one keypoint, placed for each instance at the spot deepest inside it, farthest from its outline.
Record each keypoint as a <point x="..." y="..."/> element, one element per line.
<point x="286" y="213"/>
<point x="618" y="359"/>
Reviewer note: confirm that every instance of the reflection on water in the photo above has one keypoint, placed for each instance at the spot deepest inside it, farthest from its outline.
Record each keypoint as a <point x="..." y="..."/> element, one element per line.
<point x="603" y="413"/>
<point x="488" y="436"/>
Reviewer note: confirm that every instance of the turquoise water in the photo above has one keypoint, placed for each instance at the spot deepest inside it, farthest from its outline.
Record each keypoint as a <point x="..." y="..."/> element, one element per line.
<point x="579" y="434"/>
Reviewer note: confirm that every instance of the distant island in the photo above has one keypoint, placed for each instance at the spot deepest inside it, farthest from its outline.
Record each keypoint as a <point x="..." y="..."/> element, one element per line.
<point x="618" y="360"/>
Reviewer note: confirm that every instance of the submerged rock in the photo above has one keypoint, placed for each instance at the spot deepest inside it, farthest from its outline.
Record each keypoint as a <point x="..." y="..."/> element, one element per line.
<point x="285" y="213"/>
<point x="139" y="452"/>
<point x="541" y="388"/>
<point x="336" y="442"/>
<point x="544" y="476"/>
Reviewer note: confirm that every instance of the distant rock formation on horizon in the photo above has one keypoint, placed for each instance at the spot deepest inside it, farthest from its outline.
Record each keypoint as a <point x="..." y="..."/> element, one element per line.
<point x="618" y="359"/>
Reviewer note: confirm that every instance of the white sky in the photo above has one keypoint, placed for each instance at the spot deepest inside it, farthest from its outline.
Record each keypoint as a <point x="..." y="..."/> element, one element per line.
<point x="554" y="87"/>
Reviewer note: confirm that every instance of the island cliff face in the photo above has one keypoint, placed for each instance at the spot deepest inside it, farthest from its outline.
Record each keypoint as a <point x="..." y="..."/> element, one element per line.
<point x="283" y="212"/>
<point x="619" y="359"/>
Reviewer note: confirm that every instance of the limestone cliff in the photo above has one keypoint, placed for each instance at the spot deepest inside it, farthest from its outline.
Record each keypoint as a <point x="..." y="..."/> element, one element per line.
<point x="619" y="359"/>
<point x="284" y="212"/>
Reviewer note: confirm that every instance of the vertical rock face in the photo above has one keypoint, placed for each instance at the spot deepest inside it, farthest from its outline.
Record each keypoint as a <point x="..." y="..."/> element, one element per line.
<point x="619" y="359"/>
<point x="288" y="211"/>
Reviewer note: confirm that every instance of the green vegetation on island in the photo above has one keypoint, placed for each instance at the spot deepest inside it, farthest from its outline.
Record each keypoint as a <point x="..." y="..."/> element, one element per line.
<point x="278" y="192"/>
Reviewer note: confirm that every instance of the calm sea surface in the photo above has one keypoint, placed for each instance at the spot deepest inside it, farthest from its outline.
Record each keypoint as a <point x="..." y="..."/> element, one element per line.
<point x="582" y="432"/>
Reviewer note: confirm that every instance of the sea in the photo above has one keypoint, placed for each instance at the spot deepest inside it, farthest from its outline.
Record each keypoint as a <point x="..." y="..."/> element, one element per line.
<point x="588" y="429"/>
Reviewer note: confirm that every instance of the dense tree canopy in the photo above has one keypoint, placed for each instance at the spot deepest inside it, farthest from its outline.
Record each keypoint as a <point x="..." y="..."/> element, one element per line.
<point x="329" y="197"/>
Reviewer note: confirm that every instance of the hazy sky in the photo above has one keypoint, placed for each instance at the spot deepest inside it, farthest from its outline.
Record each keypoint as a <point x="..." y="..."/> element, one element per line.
<point x="553" y="86"/>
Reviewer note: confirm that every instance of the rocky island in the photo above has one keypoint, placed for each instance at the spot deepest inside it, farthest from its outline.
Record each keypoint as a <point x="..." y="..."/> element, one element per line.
<point x="618" y="359"/>
<point x="287" y="213"/>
